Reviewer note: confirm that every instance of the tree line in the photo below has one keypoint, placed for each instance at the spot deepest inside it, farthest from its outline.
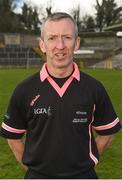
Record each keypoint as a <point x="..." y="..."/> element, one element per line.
<point x="31" y="17"/>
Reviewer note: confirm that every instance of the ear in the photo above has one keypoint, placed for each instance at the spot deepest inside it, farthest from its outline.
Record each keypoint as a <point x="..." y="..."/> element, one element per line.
<point x="42" y="46"/>
<point x="77" y="43"/>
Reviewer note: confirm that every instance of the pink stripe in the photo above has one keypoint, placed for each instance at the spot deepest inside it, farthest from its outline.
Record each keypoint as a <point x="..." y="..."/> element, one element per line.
<point x="13" y="130"/>
<point x="61" y="90"/>
<point x="93" y="158"/>
<point x="34" y="100"/>
<point x="90" y="148"/>
<point x="108" y="126"/>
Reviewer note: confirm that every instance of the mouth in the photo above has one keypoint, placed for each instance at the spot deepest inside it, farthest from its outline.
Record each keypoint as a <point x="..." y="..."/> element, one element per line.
<point x="60" y="55"/>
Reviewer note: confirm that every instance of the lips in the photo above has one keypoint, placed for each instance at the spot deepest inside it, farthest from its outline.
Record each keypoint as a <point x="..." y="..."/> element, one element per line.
<point x="60" y="55"/>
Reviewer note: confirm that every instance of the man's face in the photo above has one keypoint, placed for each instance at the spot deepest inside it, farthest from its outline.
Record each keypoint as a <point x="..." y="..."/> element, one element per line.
<point x="59" y="42"/>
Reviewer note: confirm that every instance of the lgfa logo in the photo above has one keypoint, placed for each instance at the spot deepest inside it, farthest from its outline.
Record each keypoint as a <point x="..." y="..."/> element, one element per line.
<point x="43" y="111"/>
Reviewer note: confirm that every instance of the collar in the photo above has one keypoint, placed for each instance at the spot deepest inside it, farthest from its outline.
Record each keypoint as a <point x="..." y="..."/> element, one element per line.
<point x="44" y="74"/>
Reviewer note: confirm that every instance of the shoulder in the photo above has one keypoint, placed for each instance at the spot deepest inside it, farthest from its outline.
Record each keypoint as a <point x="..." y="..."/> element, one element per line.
<point x="89" y="80"/>
<point x="31" y="80"/>
<point x="27" y="84"/>
<point x="93" y="85"/>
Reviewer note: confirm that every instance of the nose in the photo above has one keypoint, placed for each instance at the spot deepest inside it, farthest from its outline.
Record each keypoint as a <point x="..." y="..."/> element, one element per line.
<point x="60" y="43"/>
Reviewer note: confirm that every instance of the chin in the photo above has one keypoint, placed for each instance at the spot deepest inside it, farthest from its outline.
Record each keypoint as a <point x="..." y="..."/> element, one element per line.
<point x="62" y="64"/>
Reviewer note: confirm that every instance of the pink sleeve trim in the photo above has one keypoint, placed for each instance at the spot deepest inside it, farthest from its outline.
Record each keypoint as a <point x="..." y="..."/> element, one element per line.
<point x="90" y="139"/>
<point x="13" y="130"/>
<point x="108" y="126"/>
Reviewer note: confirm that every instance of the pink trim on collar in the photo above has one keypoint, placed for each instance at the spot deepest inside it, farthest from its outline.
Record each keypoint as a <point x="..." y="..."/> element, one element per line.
<point x="44" y="74"/>
<point x="76" y="73"/>
<point x="60" y="90"/>
<point x="63" y="89"/>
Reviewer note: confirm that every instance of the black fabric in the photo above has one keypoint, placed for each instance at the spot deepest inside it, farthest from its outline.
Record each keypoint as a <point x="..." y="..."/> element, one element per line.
<point x="59" y="129"/>
<point x="7" y="134"/>
<point x="90" y="174"/>
<point x="60" y="81"/>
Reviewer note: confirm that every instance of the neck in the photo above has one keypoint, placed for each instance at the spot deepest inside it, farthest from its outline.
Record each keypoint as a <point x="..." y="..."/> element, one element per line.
<point x="60" y="72"/>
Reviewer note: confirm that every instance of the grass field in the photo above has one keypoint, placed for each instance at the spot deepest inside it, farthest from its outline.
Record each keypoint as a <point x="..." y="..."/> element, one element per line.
<point x="110" y="165"/>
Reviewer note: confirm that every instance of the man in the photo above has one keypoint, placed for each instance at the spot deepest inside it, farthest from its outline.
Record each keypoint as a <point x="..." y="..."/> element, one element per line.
<point x="58" y="108"/>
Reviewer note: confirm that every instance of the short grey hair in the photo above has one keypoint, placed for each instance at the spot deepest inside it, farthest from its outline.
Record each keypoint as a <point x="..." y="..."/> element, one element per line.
<point x="58" y="16"/>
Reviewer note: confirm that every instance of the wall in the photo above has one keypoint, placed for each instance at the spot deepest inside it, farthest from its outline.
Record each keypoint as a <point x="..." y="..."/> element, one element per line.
<point x="19" y="39"/>
<point x="98" y="40"/>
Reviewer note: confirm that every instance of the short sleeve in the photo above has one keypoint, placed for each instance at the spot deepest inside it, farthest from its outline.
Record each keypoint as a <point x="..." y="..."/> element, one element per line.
<point x="105" y="121"/>
<point x="14" y="123"/>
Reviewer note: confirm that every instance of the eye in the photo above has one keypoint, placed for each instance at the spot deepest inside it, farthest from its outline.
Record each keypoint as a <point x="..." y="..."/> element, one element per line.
<point x="68" y="37"/>
<point x="51" y="38"/>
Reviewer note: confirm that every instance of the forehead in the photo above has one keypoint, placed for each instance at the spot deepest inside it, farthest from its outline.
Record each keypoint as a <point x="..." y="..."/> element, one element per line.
<point x="62" y="26"/>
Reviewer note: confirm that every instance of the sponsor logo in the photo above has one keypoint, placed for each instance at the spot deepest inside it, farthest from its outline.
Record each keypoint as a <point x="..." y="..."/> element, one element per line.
<point x="81" y="117"/>
<point x="80" y="120"/>
<point x="81" y="112"/>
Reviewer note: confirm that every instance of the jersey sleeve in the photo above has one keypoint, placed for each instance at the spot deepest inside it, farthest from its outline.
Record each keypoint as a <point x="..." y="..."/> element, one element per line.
<point x="14" y="122"/>
<point x="105" y="121"/>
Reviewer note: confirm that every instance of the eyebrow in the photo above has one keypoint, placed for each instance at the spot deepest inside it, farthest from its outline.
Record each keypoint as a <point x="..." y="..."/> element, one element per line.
<point x="54" y="35"/>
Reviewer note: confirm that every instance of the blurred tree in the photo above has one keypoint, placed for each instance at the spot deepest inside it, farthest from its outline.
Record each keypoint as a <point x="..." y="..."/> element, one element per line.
<point x="30" y="19"/>
<point x="100" y="14"/>
<point x="88" y="24"/>
<point x="112" y="12"/>
<point x="76" y="15"/>
<point x="5" y="11"/>
<point x="108" y="13"/>
<point x="24" y="16"/>
<point x="9" y="21"/>
<point x="44" y="13"/>
<point x="85" y="23"/>
<point x="35" y="21"/>
<point x="49" y="8"/>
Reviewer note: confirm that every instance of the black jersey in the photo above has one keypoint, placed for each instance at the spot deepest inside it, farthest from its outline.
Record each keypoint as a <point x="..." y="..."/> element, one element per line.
<point x="59" y="122"/>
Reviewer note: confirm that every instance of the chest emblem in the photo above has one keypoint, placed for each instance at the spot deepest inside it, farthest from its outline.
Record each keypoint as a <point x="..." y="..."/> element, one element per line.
<point x="43" y="111"/>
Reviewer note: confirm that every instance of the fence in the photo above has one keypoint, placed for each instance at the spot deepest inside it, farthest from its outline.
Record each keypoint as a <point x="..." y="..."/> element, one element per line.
<point x="13" y="55"/>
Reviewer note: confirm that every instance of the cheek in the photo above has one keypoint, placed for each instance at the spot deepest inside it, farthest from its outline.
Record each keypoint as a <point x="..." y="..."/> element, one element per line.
<point x="50" y="52"/>
<point x="49" y="47"/>
<point x="72" y="48"/>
